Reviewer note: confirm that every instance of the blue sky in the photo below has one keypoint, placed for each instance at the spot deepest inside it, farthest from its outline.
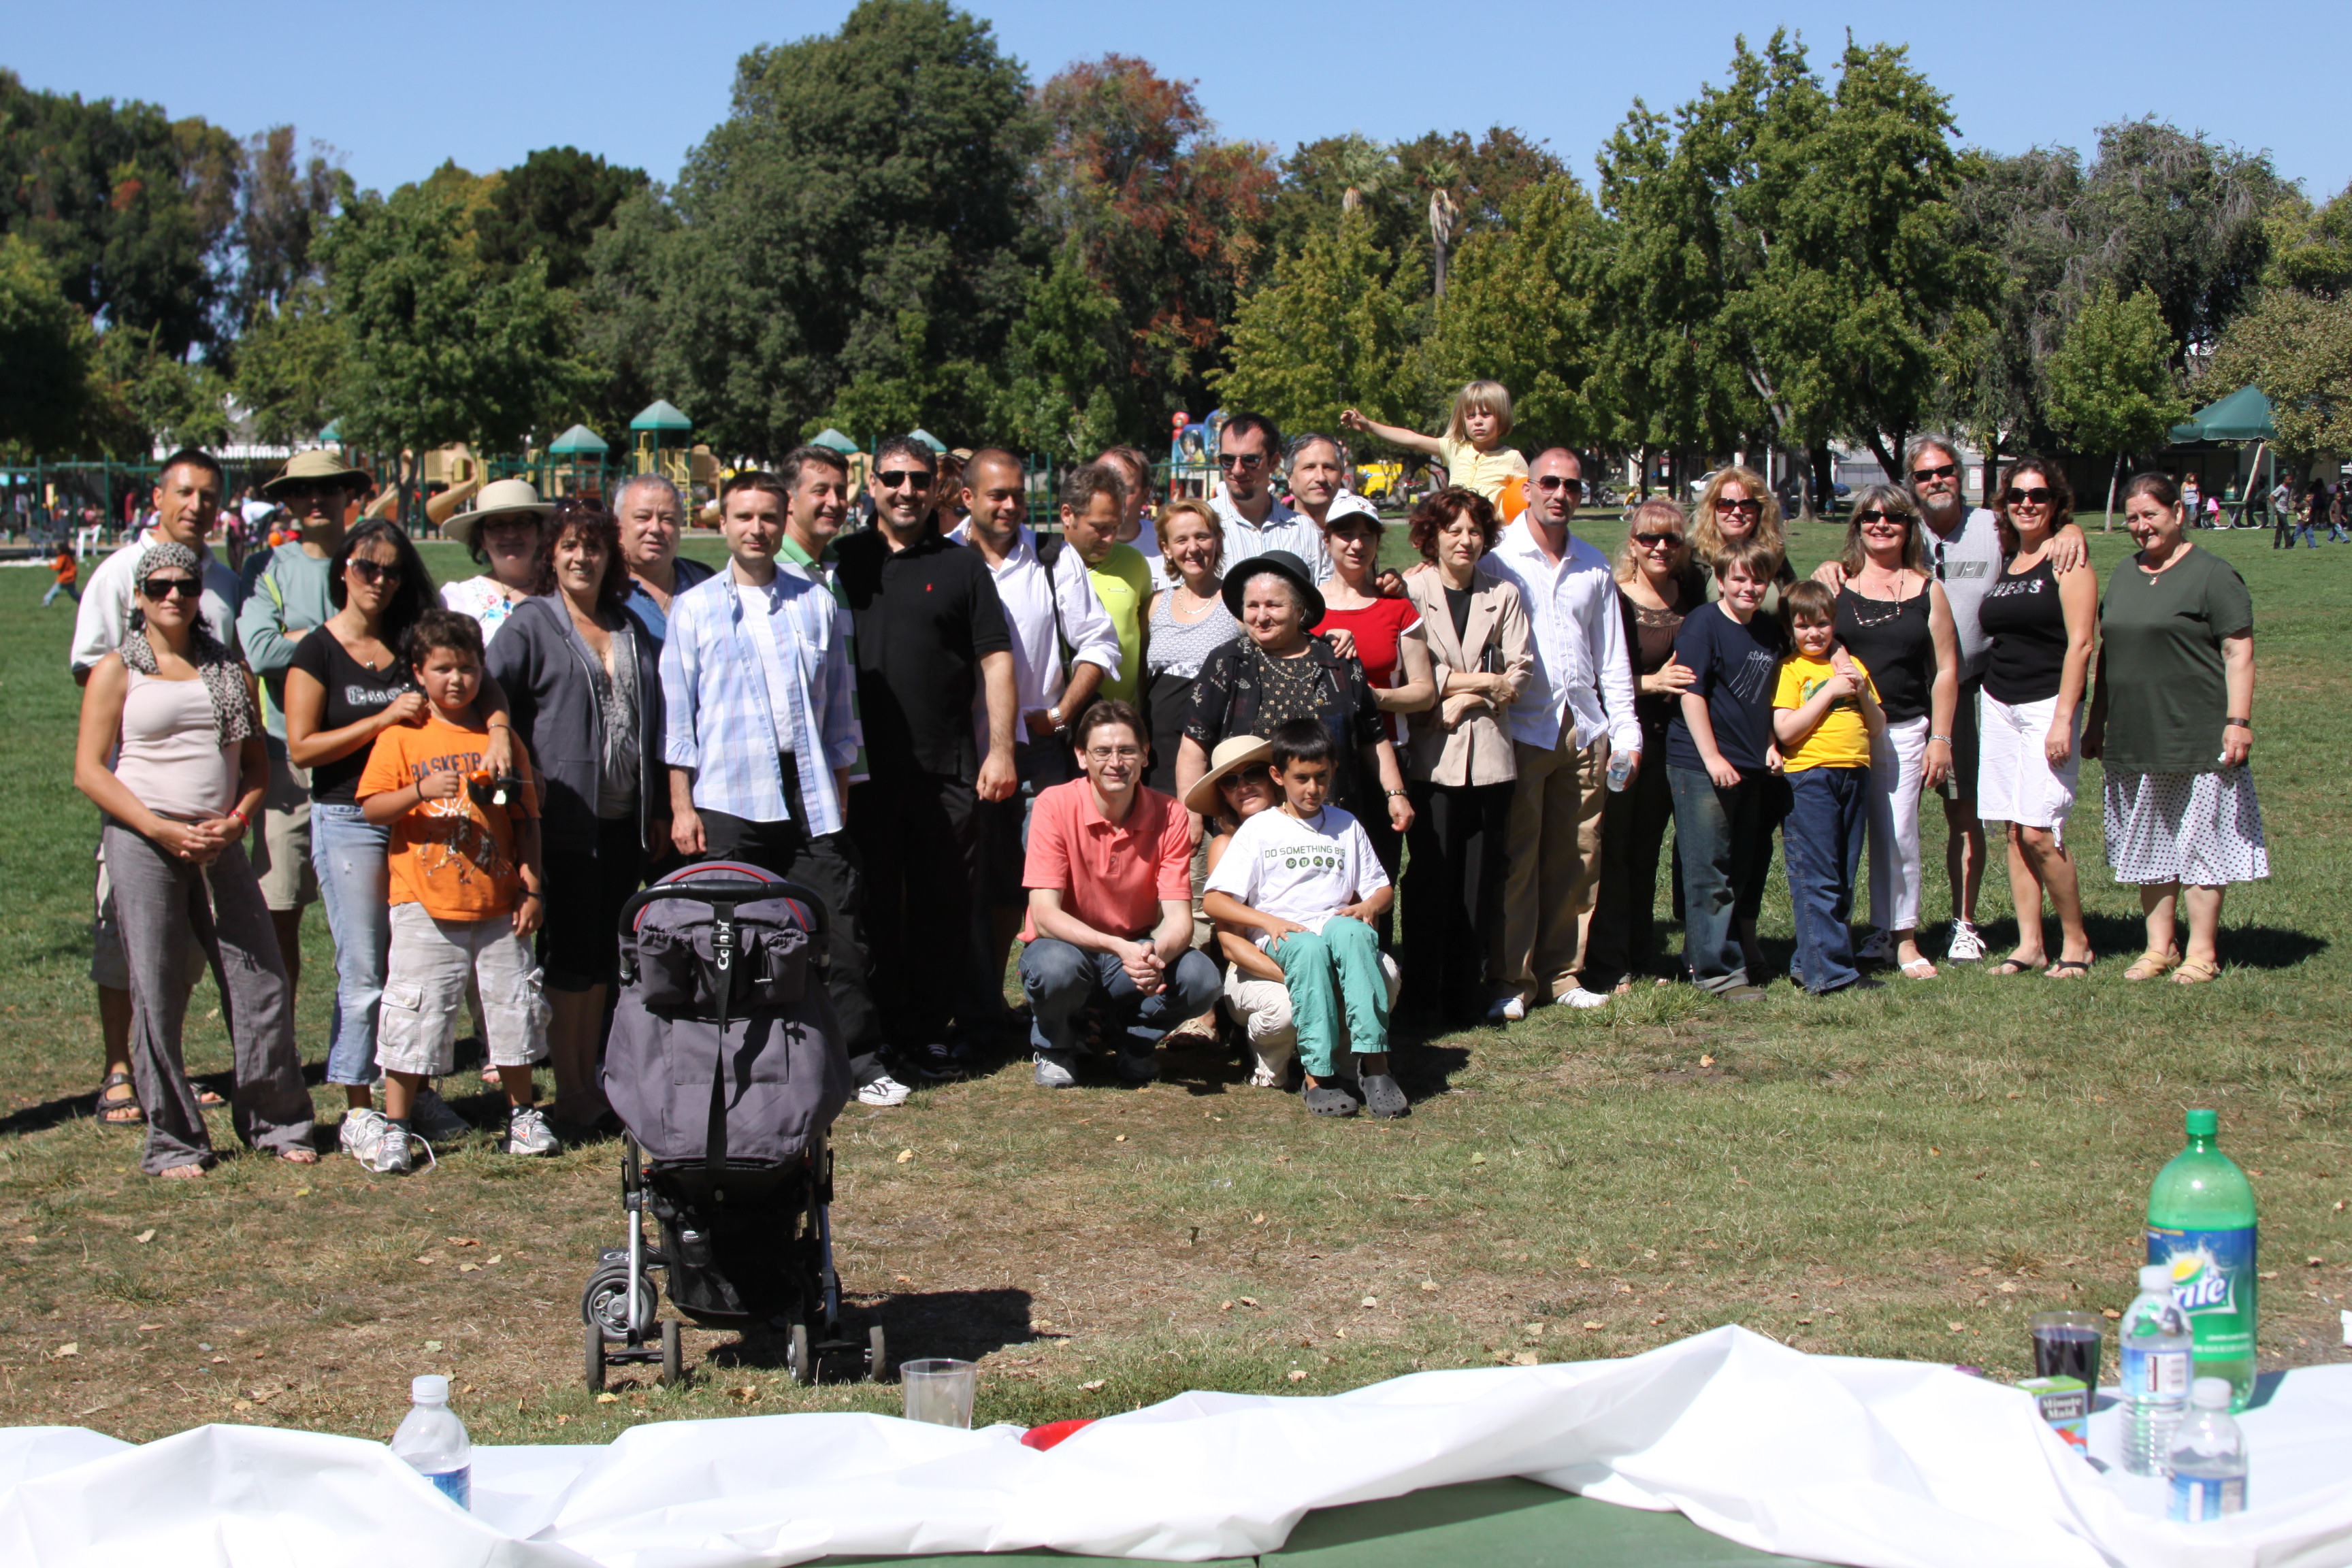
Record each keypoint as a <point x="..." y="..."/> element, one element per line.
<point x="399" y="88"/>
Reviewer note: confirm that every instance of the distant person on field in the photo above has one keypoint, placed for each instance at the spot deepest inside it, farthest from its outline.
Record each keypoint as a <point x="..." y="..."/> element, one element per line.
<point x="68" y="572"/>
<point x="1471" y="448"/>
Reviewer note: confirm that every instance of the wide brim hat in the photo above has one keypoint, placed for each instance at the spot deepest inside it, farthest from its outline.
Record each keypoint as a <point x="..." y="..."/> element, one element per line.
<point x="1233" y="753"/>
<point x="1282" y="563"/>
<point x="319" y="467"/>
<point x="501" y="498"/>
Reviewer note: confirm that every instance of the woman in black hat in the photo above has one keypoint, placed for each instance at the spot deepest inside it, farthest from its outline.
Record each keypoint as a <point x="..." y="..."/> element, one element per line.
<point x="1276" y="671"/>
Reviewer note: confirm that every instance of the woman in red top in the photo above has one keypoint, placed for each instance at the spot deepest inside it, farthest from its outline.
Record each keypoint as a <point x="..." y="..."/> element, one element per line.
<point x="1385" y="637"/>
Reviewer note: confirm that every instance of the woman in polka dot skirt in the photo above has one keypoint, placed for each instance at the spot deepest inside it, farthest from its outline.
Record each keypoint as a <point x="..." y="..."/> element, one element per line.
<point x="2172" y="719"/>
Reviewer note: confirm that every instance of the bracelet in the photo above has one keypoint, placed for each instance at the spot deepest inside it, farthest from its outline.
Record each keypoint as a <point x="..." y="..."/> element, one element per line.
<point x="244" y="823"/>
<point x="1945" y="739"/>
<point x="2239" y="723"/>
<point x="534" y="893"/>
<point x="1394" y="794"/>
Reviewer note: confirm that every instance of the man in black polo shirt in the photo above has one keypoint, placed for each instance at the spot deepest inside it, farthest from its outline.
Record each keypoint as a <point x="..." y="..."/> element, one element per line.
<point x="930" y="636"/>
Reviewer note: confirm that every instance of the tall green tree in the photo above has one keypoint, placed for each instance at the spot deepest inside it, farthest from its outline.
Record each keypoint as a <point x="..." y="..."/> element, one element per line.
<point x="2112" y="386"/>
<point x="436" y="348"/>
<point x="1334" y="327"/>
<point x="553" y="203"/>
<point x="852" y="244"/>
<point x="2297" y="348"/>
<point x="282" y="200"/>
<point x="50" y="397"/>
<point x="1056" y="395"/>
<point x="290" y="363"/>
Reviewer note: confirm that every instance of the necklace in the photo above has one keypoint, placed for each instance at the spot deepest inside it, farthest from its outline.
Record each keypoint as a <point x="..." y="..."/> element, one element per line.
<point x="1893" y="612"/>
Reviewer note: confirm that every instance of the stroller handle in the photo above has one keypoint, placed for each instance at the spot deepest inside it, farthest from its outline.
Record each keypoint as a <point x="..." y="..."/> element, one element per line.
<point x="734" y="891"/>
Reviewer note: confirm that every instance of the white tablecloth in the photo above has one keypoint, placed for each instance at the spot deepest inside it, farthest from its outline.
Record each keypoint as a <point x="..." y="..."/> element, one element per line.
<point x="1884" y="1464"/>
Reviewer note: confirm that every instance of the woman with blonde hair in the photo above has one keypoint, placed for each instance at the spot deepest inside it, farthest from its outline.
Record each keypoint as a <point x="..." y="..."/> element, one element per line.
<point x="1187" y="621"/>
<point x="1472" y="447"/>
<point x="1737" y="506"/>
<point x="1893" y="616"/>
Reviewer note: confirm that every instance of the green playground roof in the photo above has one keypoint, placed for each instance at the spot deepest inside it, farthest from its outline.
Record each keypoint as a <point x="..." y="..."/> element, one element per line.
<point x="578" y="439"/>
<point x="661" y="415"/>
<point x="927" y="439"/>
<point x="829" y="437"/>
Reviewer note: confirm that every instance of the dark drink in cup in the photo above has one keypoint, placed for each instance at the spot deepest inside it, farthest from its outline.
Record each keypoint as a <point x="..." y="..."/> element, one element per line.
<point x="2066" y="1344"/>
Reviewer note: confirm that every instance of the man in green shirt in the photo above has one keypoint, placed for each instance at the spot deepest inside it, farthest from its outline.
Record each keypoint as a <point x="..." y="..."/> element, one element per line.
<point x="1094" y="505"/>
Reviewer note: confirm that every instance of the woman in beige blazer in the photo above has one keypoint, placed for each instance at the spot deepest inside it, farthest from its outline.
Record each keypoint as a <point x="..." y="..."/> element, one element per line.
<point x="1459" y="767"/>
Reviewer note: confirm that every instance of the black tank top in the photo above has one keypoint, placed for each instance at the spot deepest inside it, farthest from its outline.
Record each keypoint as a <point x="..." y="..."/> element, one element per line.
<point x="2026" y="628"/>
<point x="1895" y="644"/>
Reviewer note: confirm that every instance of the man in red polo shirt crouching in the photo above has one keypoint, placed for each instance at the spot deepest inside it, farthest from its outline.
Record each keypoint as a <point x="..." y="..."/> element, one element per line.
<point x="1108" y="869"/>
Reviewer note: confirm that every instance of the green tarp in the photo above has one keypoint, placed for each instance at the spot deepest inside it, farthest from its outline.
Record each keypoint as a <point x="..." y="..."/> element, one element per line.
<point x="2243" y="416"/>
<point x="1493" y="1524"/>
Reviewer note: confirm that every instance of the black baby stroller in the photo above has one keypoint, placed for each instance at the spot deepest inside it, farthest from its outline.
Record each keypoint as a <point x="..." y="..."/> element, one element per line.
<point x="725" y="1065"/>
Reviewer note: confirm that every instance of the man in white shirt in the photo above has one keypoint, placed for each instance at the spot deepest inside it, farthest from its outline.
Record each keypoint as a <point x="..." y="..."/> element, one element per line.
<point x="1255" y="522"/>
<point x="1064" y="648"/>
<point x="1577" y="708"/>
<point x="188" y="491"/>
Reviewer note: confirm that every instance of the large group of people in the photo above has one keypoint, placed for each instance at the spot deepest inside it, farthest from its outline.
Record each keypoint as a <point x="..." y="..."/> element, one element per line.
<point x="1183" y="753"/>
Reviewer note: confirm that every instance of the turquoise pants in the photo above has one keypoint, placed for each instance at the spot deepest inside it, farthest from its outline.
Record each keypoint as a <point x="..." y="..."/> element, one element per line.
<point x="1338" y="998"/>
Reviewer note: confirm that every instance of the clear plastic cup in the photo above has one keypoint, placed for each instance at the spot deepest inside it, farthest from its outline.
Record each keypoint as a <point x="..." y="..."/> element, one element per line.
<point x="940" y="1391"/>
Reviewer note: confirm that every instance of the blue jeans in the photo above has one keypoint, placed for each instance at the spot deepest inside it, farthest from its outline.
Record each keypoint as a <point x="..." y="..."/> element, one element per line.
<point x="1723" y="838"/>
<point x="1063" y="981"/>
<point x="1828" y="810"/>
<point x="348" y="854"/>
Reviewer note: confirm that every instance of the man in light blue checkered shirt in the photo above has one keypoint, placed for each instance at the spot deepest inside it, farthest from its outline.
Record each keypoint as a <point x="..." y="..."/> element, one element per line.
<point x="758" y="687"/>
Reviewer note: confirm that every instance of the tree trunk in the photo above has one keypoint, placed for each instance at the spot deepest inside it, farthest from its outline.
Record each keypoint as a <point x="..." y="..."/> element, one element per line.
<point x="1991" y="467"/>
<point x="1820" y="465"/>
<point x="2114" y="476"/>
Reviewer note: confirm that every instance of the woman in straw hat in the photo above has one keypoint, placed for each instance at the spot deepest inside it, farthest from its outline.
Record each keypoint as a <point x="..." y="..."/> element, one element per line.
<point x="502" y="532"/>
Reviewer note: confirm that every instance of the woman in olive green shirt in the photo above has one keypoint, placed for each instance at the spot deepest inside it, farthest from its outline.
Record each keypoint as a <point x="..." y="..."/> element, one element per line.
<point x="2172" y="719"/>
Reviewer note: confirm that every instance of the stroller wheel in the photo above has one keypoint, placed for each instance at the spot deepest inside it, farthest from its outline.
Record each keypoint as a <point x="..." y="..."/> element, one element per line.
<point x="604" y="1304"/>
<point x="673" y="1370"/>
<point x="595" y="1363"/>
<point x="804" y="1365"/>
<point x="878" y="1359"/>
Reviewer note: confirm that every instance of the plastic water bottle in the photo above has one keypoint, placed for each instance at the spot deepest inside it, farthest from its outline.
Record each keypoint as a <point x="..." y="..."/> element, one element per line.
<point x="2200" y="1223"/>
<point x="1621" y="769"/>
<point x="2209" y="1457"/>
<point x="433" y="1442"/>
<point x="2158" y="1348"/>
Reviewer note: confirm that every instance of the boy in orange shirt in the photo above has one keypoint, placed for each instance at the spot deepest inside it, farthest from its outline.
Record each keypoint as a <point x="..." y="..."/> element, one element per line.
<point x="465" y="897"/>
<point x="68" y="572"/>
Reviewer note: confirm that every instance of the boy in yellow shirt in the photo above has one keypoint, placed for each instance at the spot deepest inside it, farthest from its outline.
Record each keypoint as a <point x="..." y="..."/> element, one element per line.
<point x="1824" y="711"/>
<point x="1472" y="447"/>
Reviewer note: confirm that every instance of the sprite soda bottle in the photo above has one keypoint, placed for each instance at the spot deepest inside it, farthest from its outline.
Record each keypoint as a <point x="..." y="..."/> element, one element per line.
<point x="2201" y="1224"/>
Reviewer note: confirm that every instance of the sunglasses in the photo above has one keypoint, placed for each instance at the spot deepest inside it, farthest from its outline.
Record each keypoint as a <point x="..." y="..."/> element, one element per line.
<point x="2039" y="495"/>
<point x="1242" y="460"/>
<point x="374" y="572"/>
<point x="1921" y="476"/>
<point x="1865" y="519"/>
<point x="160" y="588"/>
<point x="1655" y="540"/>
<point x="308" y="490"/>
<point x="903" y="479"/>
<point x="1751" y="507"/>
<point x="1554" y="482"/>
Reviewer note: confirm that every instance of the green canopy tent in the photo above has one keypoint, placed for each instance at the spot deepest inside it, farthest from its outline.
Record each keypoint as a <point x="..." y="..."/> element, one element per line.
<point x="2243" y="416"/>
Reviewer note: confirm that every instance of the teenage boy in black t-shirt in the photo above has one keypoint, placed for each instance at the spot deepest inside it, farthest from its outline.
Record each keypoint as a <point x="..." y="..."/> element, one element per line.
<point x="1724" y="769"/>
<point x="930" y="637"/>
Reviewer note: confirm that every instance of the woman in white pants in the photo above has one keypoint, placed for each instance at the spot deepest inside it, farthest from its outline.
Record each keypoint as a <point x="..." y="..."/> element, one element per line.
<point x="1893" y="616"/>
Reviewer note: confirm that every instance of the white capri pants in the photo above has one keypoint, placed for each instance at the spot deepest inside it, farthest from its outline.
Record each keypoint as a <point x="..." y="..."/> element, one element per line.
<point x="1262" y="1007"/>
<point x="2015" y="782"/>
<point x="433" y="962"/>
<point x="1896" y="759"/>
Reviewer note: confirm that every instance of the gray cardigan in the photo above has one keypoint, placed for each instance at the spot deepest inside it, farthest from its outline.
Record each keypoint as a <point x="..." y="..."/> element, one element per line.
<point x="543" y="667"/>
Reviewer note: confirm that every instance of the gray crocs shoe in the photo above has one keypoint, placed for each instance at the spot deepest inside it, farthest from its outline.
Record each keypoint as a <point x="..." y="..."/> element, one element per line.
<point x="1326" y="1101"/>
<point x="1382" y="1098"/>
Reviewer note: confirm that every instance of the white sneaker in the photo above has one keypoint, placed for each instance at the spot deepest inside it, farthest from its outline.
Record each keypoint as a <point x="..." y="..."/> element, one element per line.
<point x="1967" y="945"/>
<point x="1879" y="949"/>
<point x="529" y="1134"/>
<point x="1582" y="998"/>
<point x="432" y="1119"/>
<point x="1509" y="1010"/>
<point x="884" y="1091"/>
<point x="362" y="1135"/>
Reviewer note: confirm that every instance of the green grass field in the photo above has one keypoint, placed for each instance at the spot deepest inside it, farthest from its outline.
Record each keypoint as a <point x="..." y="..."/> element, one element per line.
<point x="1907" y="1173"/>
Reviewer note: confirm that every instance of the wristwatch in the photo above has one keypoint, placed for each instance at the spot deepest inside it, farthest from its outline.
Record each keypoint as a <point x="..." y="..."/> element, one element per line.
<point x="2238" y="723"/>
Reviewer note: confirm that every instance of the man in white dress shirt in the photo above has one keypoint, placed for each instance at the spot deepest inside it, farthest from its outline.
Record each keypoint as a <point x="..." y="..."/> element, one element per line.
<point x="1248" y="448"/>
<point x="1064" y="648"/>
<point x="1578" y="706"/>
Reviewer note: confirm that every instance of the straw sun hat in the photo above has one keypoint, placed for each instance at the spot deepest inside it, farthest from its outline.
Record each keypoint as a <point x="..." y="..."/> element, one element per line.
<point x="500" y="500"/>
<point x="1233" y="753"/>
<point x="317" y="468"/>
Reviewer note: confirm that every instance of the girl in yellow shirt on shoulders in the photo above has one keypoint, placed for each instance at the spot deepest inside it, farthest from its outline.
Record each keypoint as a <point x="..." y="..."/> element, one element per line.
<point x="1472" y="447"/>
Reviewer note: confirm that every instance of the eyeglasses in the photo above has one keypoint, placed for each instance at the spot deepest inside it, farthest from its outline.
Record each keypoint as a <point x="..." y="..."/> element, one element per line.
<point x="1921" y="476"/>
<point x="1242" y="460"/>
<point x="308" y="490"/>
<point x="160" y="588"/>
<point x="2039" y="495"/>
<point x="374" y="572"/>
<point x="1110" y="754"/>
<point x="1554" y="482"/>
<point x="1865" y="519"/>
<point x="1939" y="561"/>
<point x="903" y="479"/>
<point x="1749" y="507"/>
<point x="1654" y="541"/>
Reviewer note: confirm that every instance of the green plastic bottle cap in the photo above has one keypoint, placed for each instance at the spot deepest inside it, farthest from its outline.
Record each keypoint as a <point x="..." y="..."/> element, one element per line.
<point x="2204" y="1123"/>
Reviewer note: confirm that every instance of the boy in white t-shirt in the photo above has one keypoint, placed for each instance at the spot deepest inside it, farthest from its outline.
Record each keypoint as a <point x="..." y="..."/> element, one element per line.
<point x="1303" y="878"/>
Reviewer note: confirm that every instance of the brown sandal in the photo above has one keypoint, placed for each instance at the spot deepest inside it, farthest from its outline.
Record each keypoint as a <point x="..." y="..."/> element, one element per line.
<point x="124" y="1110"/>
<point x="2193" y="973"/>
<point x="2153" y="965"/>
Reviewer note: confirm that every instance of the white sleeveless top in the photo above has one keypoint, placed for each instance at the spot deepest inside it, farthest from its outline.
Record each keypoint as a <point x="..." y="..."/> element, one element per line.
<point x="171" y="758"/>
